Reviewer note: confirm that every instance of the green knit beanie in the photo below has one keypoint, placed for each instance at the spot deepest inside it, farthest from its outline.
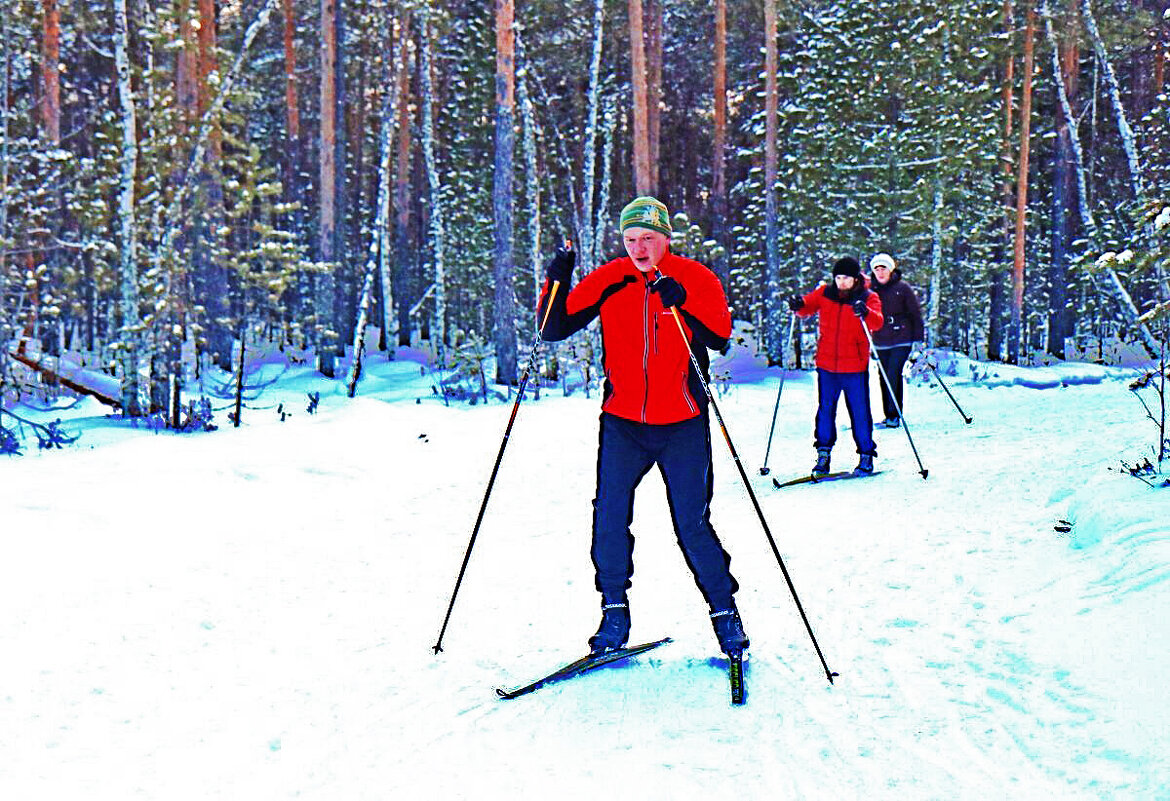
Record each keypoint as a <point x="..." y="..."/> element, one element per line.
<point x="646" y="212"/>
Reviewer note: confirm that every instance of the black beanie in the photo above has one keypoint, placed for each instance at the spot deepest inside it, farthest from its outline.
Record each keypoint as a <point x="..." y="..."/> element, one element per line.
<point x="847" y="266"/>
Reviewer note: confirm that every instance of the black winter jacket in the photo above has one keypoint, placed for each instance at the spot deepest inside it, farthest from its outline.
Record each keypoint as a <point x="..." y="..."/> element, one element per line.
<point x="903" y="315"/>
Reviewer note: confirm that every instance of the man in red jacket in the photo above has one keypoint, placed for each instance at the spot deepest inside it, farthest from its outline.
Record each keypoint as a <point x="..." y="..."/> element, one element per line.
<point x="653" y="409"/>
<point x="844" y="307"/>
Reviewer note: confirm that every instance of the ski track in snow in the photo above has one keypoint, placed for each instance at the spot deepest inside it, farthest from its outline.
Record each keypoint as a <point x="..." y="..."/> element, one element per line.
<point x="262" y="625"/>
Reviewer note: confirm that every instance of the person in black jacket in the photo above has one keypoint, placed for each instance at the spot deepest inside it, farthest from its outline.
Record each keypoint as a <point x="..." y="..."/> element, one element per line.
<point x="903" y="327"/>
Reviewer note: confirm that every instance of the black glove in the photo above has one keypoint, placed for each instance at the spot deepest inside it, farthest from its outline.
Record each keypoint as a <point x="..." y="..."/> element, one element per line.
<point x="670" y="291"/>
<point x="859" y="308"/>
<point x="560" y="266"/>
<point x="795" y="302"/>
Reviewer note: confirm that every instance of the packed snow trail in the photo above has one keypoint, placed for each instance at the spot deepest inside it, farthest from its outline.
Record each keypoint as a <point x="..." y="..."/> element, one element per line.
<point x="250" y="613"/>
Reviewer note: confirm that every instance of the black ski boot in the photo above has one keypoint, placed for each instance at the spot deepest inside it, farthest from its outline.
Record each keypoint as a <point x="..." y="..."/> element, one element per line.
<point x="821" y="468"/>
<point x="864" y="465"/>
<point x="729" y="630"/>
<point x="614" y="631"/>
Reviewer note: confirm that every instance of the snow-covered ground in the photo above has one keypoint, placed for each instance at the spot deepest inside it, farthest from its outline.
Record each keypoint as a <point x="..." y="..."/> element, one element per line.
<point x="250" y="614"/>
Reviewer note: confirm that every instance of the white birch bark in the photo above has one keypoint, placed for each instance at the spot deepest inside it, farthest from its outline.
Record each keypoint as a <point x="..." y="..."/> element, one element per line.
<point x="378" y="257"/>
<point x="1087" y="220"/>
<point x="531" y="177"/>
<point x="1127" y="138"/>
<point x="5" y="66"/>
<point x="587" y="245"/>
<point x="128" y="263"/>
<point x="606" y="173"/>
<point x="935" y="260"/>
<point x="439" y="325"/>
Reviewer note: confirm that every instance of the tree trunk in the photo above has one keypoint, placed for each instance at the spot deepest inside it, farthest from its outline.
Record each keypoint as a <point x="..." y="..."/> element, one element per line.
<point x="773" y="322"/>
<point x="402" y="257"/>
<point x="995" y="332"/>
<point x="653" y="88"/>
<point x="1087" y="222"/>
<point x="211" y="280"/>
<point x="5" y="86"/>
<point x="1066" y="67"/>
<point x="327" y="191"/>
<point x="292" y="111"/>
<point x="504" y="273"/>
<point x="532" y="171"/>
<point x="587" y="247"/>
<point x="128" y="264"/>
<point x="50" y="72"/>
<point x="1022" y="191"/>
<point x="438" y="331"/>
<point x="718" y="157"/>
<point x="641" y="144"/>
<point x="1128" y="141"/>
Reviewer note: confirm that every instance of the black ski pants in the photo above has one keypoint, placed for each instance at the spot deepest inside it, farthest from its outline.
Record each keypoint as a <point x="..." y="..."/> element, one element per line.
<point x="626" y="452"/>
<point x="893" y="360"/>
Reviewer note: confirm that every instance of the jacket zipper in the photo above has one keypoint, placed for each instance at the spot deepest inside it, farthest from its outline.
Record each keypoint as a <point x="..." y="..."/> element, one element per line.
<point x="646" y="350"/>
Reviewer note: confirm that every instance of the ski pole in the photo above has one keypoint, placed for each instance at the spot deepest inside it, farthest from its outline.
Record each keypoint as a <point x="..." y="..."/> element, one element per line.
<point x="966" y="419"/>
<point x="751" y="494"/>
<point x="438" y="646"/>
<point x="922" y="471"/>
<point x="791" y="327"/>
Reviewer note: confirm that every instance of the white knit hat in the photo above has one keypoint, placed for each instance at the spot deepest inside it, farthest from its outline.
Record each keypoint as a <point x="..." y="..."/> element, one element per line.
<point x="884" y="259"/>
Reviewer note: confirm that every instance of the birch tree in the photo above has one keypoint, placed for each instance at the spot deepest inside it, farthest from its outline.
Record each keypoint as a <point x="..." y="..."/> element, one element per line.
<point x="439" y="324"/>
<point x="378" y="258"/>
<point x="1088" y="223"/>
<point x="771" y="289"/>
<point x="405" y="275"/>
<point x="587" y="242"/>
<point x="531" y="168"/>
<point x="718" y="155"/>
<point x="5" y="154"/>
<point x="129" y="258"/>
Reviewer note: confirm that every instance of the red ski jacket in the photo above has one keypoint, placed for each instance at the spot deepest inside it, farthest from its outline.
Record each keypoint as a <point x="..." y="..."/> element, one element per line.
<point x="649" y="377"/>
<point x="842" y="346"/>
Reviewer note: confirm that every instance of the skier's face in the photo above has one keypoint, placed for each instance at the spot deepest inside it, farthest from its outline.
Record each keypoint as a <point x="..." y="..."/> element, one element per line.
<point x="881" y="272"/>
<point x="645" y="247"/>
<point x="844" y="282"/>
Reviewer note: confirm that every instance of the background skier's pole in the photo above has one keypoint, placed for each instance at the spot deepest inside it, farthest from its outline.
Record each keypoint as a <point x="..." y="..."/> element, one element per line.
<point x="922" y="471"/>
<point x="438" y="646"/>
<point x="966" y="419"/>
<point x="791" y="326"/>
<point x="751" y="494"/>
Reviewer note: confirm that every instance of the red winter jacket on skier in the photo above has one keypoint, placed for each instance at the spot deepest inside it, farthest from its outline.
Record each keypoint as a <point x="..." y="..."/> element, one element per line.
<point x="649" y="377"/>
<point x="842" y="346"/>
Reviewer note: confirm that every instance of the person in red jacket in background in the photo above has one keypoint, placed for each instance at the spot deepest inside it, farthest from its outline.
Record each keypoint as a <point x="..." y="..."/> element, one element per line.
<point x="844" y="307"/>
<point x="653" y="409"/>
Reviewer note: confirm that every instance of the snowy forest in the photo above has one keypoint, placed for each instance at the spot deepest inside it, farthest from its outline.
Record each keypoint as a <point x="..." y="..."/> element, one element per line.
<point x="185" y="181"/>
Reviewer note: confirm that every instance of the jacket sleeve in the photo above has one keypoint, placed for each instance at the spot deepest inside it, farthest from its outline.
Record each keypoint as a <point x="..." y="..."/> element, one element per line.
<point x="917" y="326"/>
<point x="811" y="306"/>
<point x="874" y="319"/>
<point x="573" y="309"/>
<point x="705" y="310"/>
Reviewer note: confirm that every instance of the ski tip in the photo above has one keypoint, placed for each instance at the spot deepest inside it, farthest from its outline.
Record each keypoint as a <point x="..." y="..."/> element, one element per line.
<point x="776" y="483"/>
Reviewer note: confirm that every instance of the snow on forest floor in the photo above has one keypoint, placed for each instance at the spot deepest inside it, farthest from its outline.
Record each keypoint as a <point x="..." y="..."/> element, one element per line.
<point x="251" y="613"/>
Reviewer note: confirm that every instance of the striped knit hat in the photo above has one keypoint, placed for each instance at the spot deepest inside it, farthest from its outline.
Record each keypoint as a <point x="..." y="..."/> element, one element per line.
<point x="646" y="212"/>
